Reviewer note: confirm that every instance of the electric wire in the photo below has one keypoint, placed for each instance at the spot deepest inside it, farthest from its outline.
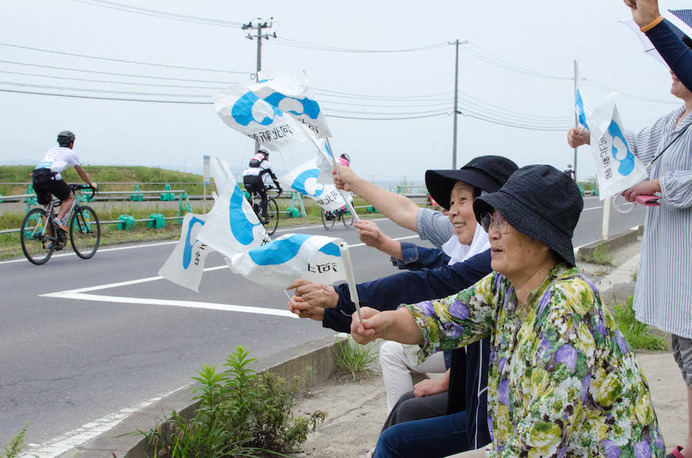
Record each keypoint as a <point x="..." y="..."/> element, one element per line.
<point x="161" y="14"/>
<point x="283" y="41"/>
<point x="111" y="59"/>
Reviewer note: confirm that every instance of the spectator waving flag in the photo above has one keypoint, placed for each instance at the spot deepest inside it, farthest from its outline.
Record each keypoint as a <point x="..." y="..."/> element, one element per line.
<point x="185" y="265"/>
<point x="618" y="168"/>
<point x="305" y="180"/>
<point x="232" y="226"/>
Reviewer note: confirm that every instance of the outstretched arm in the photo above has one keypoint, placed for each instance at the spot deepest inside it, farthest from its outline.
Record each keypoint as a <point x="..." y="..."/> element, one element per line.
<point x="84" y="176"/>
<point x="394" y="206"/>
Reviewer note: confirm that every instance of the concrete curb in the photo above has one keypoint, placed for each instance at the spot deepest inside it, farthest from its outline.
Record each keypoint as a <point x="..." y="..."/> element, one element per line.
<point x="124" y="441"/>
<point x="613" y="243"/>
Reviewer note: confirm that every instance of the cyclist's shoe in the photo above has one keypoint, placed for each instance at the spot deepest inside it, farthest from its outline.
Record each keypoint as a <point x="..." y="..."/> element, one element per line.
<point x="57" y="222"/>
<point x="264" y="219"/>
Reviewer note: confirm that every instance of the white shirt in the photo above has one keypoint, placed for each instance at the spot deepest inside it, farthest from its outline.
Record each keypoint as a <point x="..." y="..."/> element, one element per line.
<point x="58" y="159"/>
<point x="254" y="171"/>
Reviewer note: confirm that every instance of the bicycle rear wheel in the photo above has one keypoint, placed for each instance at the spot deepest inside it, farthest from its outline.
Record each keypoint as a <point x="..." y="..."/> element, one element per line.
<point x="327" y="220"/>
<point x="272" y="216"/>
<point x="347" y="218"/>
<point x="85" y="232"/>
<point x="35" y="245"/>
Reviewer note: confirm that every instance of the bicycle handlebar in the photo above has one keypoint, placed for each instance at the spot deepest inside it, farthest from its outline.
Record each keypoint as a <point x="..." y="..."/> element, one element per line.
<point x="79" y="187"/>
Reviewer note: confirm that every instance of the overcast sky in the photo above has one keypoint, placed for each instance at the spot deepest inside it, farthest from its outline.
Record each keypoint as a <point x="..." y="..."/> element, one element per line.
<point x="515" y="69"/>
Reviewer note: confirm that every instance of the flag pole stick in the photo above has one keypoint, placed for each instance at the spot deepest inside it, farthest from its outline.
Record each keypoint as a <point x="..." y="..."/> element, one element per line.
<point x="350" y="279"/>
<point x="342" y="192"/>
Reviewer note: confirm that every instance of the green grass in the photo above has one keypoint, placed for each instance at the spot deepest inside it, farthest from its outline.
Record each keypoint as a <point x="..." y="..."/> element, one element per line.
<point x="353" y="358"/>
<point x="636" y="333"/>
<point x="14" y="447"/>
<point x="601" y="255"/>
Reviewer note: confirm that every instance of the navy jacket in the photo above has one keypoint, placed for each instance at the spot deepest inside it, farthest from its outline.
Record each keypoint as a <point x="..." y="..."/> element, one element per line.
<point x="674" y="51"/>
<point x="469" y="373"/>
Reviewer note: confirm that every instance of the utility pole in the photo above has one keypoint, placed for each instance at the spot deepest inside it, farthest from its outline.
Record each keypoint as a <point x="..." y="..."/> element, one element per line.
<point x="260" y="25"/>
<point x="456" y="101"/>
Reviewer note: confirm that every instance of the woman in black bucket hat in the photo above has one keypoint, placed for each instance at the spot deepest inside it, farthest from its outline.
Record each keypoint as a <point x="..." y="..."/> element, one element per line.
<point x="562" y="380"/>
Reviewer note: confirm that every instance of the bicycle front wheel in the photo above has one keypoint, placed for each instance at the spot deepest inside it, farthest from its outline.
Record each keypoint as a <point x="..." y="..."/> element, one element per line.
<point x="35" y="244"/>
<point x="327" y="220"/>
<point x="347" y="219"/>
<point x="272" y="216"/>
<point x="85" y="232"/>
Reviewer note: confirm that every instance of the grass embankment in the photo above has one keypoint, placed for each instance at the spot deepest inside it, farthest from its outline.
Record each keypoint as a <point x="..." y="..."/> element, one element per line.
<point x="103" y="175"/>
<point x="9" y="243"/>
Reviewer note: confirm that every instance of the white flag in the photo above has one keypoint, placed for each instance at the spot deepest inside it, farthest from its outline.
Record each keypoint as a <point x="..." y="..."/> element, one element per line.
<point x="185" y="265"/>
<point x="272" y="112"/>
<point x="618" y="168"/>
<point x="305" y="180"/>
<point x="232" y="226"/>
<point x="279" y="263"/>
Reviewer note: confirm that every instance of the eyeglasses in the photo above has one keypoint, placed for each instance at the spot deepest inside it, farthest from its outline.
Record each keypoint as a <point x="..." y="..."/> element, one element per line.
<point x="496" y="220"/>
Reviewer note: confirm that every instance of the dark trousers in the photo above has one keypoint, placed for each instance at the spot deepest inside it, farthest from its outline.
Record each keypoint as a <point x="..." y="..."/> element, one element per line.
<point x="429" y="438"/>
<point x="409" y="408"/>
<point x="255" y="185"/>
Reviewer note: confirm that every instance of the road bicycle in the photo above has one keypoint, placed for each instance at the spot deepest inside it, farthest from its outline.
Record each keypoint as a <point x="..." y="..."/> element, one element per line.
<point x="40" y="237"/>
<point x="271" y="222"/>
<point x="340" y="214"/>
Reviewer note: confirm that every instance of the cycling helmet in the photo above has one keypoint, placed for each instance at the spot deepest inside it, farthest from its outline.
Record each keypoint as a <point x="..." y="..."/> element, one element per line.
<point x="65" y="138"/>
<point x="266" y="153"/>
<point x="346" y="156"/>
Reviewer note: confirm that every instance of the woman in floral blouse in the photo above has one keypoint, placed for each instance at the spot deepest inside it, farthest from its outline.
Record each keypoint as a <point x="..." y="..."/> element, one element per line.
<point x="562" y="381"/>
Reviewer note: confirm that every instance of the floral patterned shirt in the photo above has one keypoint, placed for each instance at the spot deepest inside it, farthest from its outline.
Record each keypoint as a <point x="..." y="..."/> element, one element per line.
<point x="562" y="380"/>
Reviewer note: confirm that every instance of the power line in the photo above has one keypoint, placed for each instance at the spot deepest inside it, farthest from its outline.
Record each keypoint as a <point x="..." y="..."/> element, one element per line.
<point x="111" y="59"/>
<point x="52" y="94"/>
<point x="161" y="14"/>
<point x="318" y="47"/>
<point x="113" y="73"/>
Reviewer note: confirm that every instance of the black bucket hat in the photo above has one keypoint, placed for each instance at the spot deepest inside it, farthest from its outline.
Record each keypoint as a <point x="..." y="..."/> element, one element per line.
<point x="487" y="173"/>
<point x="541" y="202"/>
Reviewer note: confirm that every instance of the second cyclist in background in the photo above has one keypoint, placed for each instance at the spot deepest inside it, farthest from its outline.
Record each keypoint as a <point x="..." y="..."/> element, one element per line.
<point x="47" y="180"/>
<point x="253" y="178"/>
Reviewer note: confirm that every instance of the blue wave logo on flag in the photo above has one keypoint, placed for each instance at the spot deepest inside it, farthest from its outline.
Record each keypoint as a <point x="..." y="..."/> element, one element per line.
<point x="280" y="262"/>
<point x="306" y="183"/>
<point x="187" y="253"/>
<point x="242" y="111"/>
<point x="620" y="144"/>
<point x="241" y="226"/>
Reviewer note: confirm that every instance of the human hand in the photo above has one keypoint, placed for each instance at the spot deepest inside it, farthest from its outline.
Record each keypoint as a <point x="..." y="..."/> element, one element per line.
<point x="344" y="178"/>
<point x="315" y="294"/>
<point x="644" y="187"/>
<point x="374" y="324"/>
<point x="371" y="235"/>
<point x="577" y="137"/>
<point x="303" y="309"/>
<point x="430" y="386"/>
<point x="644" y="12"/>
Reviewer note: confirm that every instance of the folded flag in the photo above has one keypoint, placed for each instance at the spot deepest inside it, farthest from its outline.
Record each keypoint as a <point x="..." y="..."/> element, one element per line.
<point x="231" y="226"/>
<point x="279" y="263"/>
<point x="185" y="265"/>
<point x="305" y="180"/>
<point x="274" y="112"/>
<point x="618" y="168"/>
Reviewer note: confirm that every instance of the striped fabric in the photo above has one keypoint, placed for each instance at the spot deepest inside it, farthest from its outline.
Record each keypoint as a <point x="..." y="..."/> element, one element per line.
<point x="663" y="292"/>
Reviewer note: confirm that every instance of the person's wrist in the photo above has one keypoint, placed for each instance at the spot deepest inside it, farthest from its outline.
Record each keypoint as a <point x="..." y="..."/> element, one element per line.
<point x="651" y="24"/>
<point x="333" y="298"/>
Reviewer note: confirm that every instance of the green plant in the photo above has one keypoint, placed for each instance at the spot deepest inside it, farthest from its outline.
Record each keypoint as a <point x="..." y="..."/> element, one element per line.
<point x="635" y="332"/>
<point x="240" y="413"/>
<point x="16" y="444"/>
<point x="353" y="358"/>
<point x="601" y="255"/>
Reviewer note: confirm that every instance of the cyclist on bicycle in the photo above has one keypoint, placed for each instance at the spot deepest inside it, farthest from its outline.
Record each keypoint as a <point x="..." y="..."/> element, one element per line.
<point x="47" y="180"/>
<point x="253" y="178"/>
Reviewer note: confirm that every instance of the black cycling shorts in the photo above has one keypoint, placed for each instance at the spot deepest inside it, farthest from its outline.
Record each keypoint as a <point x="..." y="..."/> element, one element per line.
<point x="45" y="184"/>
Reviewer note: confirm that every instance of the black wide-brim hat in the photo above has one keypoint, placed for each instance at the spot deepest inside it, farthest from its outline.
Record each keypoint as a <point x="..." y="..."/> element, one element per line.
<point x="541" y="202"/>
<point x="487" y="173"/>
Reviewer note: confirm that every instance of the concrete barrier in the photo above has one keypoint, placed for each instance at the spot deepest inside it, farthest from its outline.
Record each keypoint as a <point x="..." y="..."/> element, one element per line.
<point x="613" y="243"/>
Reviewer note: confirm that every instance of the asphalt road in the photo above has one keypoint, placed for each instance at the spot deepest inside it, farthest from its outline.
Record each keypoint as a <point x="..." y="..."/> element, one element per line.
<point x="112" y="335"/>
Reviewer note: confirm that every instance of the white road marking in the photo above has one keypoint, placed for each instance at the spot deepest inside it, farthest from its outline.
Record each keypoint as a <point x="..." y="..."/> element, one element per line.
<point x="88" y="431"/>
